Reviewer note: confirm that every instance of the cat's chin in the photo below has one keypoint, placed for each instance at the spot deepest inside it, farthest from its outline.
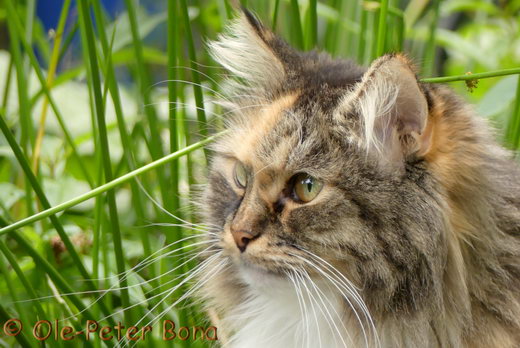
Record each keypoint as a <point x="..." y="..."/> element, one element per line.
<point x="260" y="278"/>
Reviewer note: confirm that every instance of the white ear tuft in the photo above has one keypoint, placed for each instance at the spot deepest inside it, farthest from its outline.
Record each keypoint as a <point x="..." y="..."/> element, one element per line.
<point x="244" y="51"/>
<point x="376" y="106"/>
<point x="393" y="110"/>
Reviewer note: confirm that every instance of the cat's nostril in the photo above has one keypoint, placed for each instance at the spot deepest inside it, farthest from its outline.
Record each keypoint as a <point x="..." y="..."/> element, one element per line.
<point x="242" y="239"/>
<point x="244" y="243"/>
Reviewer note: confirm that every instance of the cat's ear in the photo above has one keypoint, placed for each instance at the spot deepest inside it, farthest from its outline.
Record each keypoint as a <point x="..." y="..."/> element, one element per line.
<point x="393" y="110"/>
<point x="251" y="52"/>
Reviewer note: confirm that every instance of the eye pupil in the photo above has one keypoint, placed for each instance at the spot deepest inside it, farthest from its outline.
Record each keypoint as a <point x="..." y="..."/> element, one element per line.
<point x="309" y="185"/>
<point x="306" y="187"/>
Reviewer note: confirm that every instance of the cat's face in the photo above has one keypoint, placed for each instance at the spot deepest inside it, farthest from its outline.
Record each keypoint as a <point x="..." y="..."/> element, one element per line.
<point x="322" y="167"/>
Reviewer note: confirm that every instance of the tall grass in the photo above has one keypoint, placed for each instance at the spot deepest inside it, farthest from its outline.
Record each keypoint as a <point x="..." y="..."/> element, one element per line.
<point x="104" y="123"/>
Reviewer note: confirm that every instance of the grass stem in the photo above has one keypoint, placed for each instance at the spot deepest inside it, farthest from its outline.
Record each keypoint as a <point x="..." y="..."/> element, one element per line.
<point x="476" y="76"/>
<point x="109" y="185"/>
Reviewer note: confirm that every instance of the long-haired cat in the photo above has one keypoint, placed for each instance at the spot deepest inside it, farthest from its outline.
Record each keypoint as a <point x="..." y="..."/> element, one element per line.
<point x="356" y="207"/>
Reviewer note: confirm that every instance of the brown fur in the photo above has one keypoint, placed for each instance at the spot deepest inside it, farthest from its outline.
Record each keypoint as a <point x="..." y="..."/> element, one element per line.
<point x="427" y="226"/>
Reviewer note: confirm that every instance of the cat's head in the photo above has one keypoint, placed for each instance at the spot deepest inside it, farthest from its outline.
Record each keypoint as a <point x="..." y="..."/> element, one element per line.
<point x="323" y="167"/>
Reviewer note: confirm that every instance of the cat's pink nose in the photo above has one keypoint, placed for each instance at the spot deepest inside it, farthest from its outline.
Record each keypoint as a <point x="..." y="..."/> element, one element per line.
<point x="242" y="238"/>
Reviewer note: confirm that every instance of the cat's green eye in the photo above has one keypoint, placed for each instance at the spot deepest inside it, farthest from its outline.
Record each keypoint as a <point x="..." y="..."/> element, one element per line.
<point x="240" y="175"/>
<point x="306" y="188"/>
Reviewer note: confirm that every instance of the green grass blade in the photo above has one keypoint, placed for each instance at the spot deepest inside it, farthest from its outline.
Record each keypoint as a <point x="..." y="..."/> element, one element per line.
<point x="86" y="25"/>
<point x="24" y="110"/>
<point x="363" y="30"/>
<point x="21" y="276"/>
<point x="30" y="11"/>
<point x="275" y="14"/>
<point x="8" y="77"/>
<point x="400" y="33"/>
<point x="21" y="78"/>
<point x="429" y="52"/>
<point x="298" y="29"/>
<point x="363" y="33"/>
<point x="173" y="46"/>
<point x="312" y="27"/>
<point x="513" y="129"/>
<point x="227" y="9"/>
<point x="197" y="89"/>
<point x="21" y="310"/>
<point x="382" y="28"/>
<point x="68" y="40"/>
<point x="374" y="23"/>
<point x="413" y="11"/>
<point x="96" y="238"/>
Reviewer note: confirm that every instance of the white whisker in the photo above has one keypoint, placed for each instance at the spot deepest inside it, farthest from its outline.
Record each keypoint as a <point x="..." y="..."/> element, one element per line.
<point x="194" y="84"/>
<point x="353" y="291"/>
<point x="185" y="295"/>
<point x="341" y="287"/>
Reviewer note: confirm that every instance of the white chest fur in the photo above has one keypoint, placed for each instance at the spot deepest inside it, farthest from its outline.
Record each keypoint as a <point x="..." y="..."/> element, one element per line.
<point x="280" y="314"/>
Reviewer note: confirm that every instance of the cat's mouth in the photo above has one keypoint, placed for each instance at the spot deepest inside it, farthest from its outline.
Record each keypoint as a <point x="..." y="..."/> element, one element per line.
<point x="262" y="261"/>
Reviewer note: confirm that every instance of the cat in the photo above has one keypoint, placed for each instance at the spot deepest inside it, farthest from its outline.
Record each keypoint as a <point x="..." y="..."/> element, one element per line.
<point x="355" y="207"/>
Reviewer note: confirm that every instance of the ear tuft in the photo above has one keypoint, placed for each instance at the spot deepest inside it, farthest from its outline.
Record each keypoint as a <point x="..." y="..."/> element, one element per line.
<point x="254" y="22"/>
<point x="245" y="51"/>
<point x="393" y="110"/>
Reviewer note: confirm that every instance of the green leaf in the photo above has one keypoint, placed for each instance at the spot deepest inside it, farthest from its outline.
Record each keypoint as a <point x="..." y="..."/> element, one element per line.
<point x="449" y="7"/>
<point x="66" y="187"/>
<point x="123" y="34"/>
<point x="10" y="194"/>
